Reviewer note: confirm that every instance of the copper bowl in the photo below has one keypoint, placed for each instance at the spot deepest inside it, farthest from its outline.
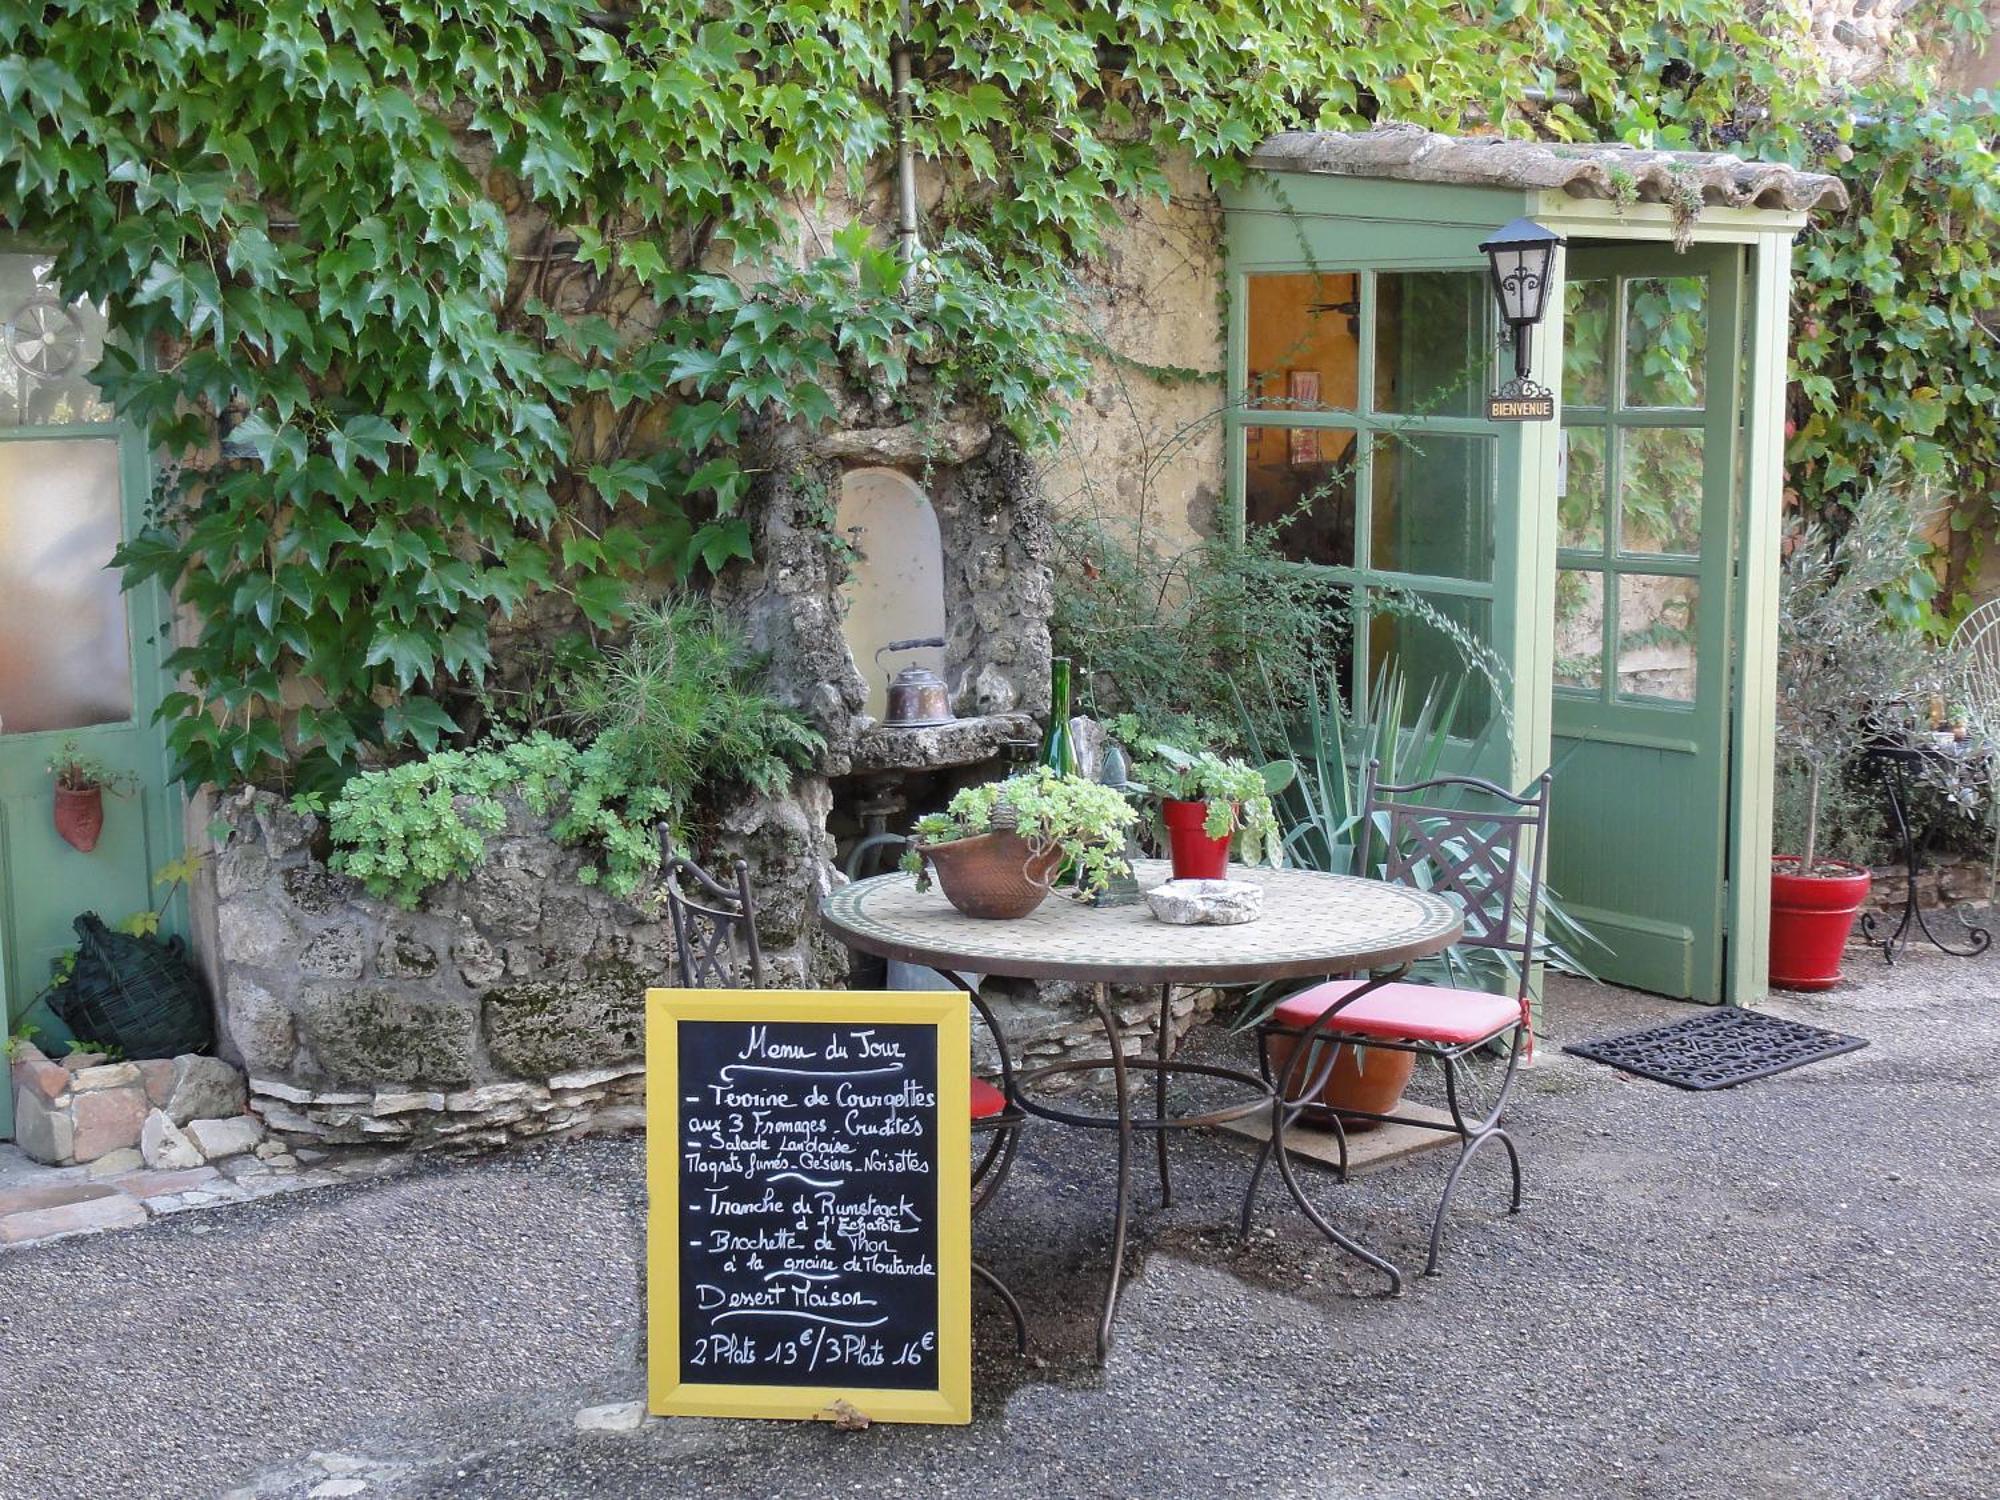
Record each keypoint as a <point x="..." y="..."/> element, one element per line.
<point x="993" y="875"/>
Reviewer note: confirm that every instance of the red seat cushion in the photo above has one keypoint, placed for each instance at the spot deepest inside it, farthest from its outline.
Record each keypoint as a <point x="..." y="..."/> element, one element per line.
<point x="1404" y="1012"/>
<point x="987" y="1101"/>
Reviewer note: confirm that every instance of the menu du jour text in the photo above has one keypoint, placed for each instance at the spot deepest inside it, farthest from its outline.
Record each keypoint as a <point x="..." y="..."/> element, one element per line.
<point x="808" y="1203"/>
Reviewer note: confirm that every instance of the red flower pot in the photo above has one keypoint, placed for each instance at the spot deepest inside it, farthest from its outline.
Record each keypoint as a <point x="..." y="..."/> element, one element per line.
<point x="1811" y="916"/>
<point x="1196" y="856"/>
<point x="80" y="816"/>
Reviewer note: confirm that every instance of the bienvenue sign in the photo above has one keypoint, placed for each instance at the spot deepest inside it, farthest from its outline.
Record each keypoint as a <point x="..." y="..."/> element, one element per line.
<point x="809" y="1236"/>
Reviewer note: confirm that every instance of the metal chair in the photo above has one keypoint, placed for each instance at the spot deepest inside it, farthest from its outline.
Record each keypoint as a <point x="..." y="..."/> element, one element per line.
<point x="709" y="924"/>
<point x="1462" y="836"/>
<point x="1976" y="647"/>
<point x="995" y="1115"/>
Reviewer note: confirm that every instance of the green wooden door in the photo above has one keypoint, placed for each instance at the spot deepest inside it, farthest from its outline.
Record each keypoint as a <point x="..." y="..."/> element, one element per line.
<point x="79" y="660"/>
<point x="1646" y="497"/>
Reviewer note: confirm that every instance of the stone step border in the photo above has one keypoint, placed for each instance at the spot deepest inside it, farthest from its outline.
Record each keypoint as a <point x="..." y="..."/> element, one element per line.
<point x="58" y="1203"/>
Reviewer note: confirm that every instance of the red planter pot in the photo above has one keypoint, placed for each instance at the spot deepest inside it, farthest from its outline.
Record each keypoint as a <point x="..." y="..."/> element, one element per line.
<point x="79" y="816"/>
<point x="1196" y="856"/>
<point x="1811" y="916"/>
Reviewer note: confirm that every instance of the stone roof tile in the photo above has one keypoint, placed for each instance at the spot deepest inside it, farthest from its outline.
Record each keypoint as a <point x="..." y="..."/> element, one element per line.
<point x="1410" y="153"/>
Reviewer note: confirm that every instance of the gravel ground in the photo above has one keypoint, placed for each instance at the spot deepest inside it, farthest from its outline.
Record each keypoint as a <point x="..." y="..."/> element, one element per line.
<point x="1785" y="1289"/>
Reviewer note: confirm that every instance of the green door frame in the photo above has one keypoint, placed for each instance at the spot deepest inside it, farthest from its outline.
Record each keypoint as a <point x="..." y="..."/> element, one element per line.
<point x="1766" y="236"/>
<point x="1303" y="221"/>
<point x="162" y="833"/>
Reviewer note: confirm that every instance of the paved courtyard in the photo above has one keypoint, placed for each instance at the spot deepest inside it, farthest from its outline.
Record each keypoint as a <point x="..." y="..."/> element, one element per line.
<point x="1786" y="1289"/>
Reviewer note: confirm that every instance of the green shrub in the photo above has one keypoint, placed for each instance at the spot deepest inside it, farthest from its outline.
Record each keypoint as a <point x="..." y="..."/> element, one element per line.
<point x="677" y="706"/>
<point x="677" y="713"/>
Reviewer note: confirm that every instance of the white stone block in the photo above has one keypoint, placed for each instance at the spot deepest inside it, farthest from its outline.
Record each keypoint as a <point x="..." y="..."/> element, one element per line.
<point x="231" y="1137"/>
<point x="164" y="1146"/>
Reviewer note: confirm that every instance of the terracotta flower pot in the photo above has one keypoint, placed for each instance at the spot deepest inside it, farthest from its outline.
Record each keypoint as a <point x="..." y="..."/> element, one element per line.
<point x="1374" y="1082"/>
<point x="1196" y="856"/>
<point x="80" y="816"/>
<point x="1811" y="917"/>
<point x="994" y="875"/>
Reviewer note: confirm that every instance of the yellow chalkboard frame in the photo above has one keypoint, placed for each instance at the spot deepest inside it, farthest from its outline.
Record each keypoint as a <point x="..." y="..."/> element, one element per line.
<point x="667" y="1395"/>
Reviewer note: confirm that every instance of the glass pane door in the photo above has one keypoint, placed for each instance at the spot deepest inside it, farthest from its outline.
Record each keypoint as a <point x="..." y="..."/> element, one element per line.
<point x="1644" y="517"/>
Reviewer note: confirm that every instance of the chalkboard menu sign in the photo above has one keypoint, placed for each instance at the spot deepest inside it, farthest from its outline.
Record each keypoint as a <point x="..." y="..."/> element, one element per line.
<point x="809" y="1237"/>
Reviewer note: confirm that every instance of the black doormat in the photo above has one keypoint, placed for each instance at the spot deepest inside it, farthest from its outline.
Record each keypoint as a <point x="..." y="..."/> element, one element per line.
<point x="1718" y="1049"/>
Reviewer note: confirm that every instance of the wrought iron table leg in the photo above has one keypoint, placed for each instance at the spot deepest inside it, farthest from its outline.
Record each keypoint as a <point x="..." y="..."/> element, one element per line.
<point x="1166" y="1051"/>
<point x="1100" y="995"/>
<point x="1896" y="778"/>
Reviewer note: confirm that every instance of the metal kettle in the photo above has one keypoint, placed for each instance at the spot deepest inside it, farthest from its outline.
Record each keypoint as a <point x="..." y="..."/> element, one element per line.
<point x="917" y="695"/>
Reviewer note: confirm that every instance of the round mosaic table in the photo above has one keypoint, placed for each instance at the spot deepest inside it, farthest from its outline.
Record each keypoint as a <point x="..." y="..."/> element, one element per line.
<point x="1312" y="925"/>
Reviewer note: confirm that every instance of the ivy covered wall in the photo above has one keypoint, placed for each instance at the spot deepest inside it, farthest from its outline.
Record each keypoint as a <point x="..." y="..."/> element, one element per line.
<point x="496" y="292"/>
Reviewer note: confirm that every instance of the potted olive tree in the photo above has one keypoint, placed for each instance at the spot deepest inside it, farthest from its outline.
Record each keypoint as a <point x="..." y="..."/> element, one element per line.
<point x="998" y="849"/>
<point x="1843" y="665"/>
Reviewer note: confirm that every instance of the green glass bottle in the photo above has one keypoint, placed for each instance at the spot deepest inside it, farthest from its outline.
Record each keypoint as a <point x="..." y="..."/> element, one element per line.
<point x="1058" y="748"/>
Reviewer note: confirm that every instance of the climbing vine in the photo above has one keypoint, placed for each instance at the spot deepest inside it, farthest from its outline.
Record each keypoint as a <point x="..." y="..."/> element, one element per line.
<point x="1897" y="353"/>
<point x="490" y="299"/>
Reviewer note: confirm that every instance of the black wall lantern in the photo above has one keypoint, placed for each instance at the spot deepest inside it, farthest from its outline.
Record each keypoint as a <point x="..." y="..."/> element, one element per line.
<point x="1522" y="257"/>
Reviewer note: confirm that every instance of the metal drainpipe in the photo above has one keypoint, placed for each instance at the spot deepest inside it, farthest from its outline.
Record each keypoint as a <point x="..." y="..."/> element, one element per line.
<point x="906" y="163"/>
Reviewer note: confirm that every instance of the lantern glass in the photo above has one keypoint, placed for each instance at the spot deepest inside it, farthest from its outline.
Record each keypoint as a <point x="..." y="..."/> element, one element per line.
<point x="1521" y="256"/>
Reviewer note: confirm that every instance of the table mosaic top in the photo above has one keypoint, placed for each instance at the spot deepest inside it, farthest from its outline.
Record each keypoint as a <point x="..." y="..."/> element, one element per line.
<point x="1312" y="924"/>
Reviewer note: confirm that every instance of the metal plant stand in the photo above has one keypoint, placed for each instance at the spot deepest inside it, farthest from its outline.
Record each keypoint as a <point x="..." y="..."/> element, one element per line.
<point x="1313" y="924"/>
<point x="1894" y="762"/>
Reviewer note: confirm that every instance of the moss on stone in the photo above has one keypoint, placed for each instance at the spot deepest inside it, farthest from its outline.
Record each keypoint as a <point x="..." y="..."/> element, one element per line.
<point x="540" y="1027"/>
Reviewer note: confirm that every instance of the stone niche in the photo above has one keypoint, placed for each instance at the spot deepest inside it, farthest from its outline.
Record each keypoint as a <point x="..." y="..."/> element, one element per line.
<point x="507" y="1005"/>
<point x="949" y="508"/>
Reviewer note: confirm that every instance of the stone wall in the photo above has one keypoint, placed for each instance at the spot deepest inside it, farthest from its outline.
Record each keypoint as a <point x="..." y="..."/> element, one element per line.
<point x="994" y="532"/>
<point x="1144" y="445"/>
<point x="507" y="1005"/>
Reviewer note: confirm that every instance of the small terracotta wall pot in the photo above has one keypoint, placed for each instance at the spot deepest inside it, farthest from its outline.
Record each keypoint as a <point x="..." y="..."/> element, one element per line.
<point x="1375" y="1085"/>
<point x="1196" y="856"/>
<point x="993" y="875"/>
<point x="1811" y="917"/>
<point x="80" y="816"/>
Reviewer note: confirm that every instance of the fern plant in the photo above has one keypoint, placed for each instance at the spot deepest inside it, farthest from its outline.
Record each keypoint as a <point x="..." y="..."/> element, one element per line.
<point x="677" y="705"/>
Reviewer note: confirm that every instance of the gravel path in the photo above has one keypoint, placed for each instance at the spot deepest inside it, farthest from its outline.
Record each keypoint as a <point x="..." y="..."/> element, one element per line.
<point x="1785" y="1289"/>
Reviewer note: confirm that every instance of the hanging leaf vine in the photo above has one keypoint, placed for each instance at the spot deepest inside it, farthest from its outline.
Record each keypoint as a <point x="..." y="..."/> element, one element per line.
<point x="496" y="291"/>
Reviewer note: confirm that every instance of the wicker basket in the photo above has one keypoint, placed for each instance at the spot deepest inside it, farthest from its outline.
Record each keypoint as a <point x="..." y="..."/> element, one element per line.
<point x="138" y="994"/>
<point x="994" y="875"/>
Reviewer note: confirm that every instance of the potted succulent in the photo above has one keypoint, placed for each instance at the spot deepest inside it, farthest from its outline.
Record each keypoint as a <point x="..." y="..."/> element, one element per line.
<point x="1211" y="802"/>
<point x="81" y="782"/>
<point x="1844" y="670"/>
<point x="998" y="849"/>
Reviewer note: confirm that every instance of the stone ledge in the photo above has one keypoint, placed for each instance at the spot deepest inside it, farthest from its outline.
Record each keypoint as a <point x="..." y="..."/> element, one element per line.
<point x="962" y="742"/>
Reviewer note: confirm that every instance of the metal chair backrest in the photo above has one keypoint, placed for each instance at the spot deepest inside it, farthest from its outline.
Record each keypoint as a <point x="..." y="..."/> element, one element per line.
<point x="709" y="921"/>
<point x="1463" y="835"/>
<point x="1976" y="644"/>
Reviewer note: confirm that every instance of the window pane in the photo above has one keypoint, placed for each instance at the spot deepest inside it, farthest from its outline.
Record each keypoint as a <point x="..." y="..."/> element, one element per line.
<point x="1301" y="481"/>
<point x="1656" y="637"/>
<point x="1666" y="341"/>
<point x="1659" y="502"/>
<point x="1433" y="342"/>
<point x="64" y="660"/>
<point x="1579" y="628"/>
<point x="1580" y="487"/>
<point x="1587" y="342"/>
<point x="47" y="347"/>
<point x="1305" y="341"/>
<point x="1433" y="505"/>
<point x="1429" y="639"/>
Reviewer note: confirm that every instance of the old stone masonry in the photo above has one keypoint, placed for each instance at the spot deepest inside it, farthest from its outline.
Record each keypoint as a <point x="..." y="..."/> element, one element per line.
<point x="508" y="1005"/>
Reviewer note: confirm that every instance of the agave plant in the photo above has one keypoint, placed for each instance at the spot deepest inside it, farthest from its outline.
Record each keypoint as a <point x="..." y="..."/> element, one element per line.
<point x="1319" y="818"/>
